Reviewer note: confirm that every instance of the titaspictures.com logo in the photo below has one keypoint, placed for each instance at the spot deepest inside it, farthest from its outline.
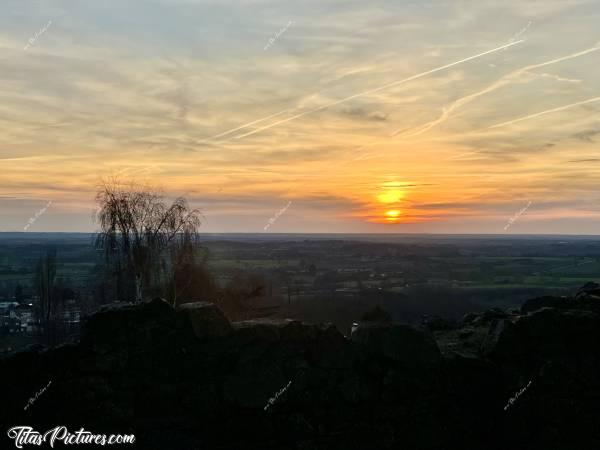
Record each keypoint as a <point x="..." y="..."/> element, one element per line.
<point x="24" y="435"/>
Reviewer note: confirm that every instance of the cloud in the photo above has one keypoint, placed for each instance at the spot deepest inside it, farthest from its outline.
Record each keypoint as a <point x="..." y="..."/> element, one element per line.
<point x="505" y="80"/>
<point x="587" y="135"/>
<point x="160" y="91"/>
<point x="361" y="113"/>
<point x="559" y="78"/>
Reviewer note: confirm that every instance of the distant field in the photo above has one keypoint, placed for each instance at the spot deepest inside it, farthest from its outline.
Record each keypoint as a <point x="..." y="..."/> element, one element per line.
<point x="456" y="273"/>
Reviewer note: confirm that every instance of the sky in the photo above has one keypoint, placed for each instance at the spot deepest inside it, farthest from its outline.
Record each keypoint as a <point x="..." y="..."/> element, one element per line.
<point x="338" y="116"/>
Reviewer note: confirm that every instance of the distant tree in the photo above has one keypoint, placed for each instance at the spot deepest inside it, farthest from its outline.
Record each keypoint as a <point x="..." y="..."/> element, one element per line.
<point x="19" y="296"/>
<point x="47" y="309"/>
<point x="236" y="300"/>
<point x="137" y="227"/>
<point x="189" y="278"/>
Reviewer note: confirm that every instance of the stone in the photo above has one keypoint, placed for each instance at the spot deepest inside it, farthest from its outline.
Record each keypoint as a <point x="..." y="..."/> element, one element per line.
<point x="493" y="314"/>
<point x="268" y="330"/>
<point x="542" y="335"/>
<point x="205" y="319"/>
<point x="436" y="323"/>
<point x="499" y="332"/>
<point x="545" y="301"/>
<point x="127" y="324"/>
<point x="469" y="318"/>
<point x="401" y="343"/>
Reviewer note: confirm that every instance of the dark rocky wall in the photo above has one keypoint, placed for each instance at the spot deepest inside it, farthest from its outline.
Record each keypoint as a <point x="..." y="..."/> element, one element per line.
<point x="188" y="379"/>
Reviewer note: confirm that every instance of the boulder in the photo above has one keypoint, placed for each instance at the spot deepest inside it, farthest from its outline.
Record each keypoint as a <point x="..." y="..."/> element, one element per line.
<point x="205" y="319"/>
<point x="543" y="335"/>
<point x="493" y="314"/>
<point x="377" y="314"/>
<point x="465" y="333"/>
<point x="545" y="301"/>
<point x="401" y="343"/>
<point x="331" y="350"/>
<point x="469" y="318"/>
<point x="436" y="323"/>
<point x="588" y="297"/>
<point x="589" y="288"/>
<point x="499" y="333"/>
<point x="127" y="324"/>
<point x="264" y="330"/>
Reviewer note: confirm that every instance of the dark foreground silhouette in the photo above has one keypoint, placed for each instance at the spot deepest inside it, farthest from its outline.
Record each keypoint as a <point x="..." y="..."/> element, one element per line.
<point x="187" y="378"/>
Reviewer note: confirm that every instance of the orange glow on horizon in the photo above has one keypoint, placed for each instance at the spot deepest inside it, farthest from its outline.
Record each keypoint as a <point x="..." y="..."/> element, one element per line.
<point x="390" y="196"/>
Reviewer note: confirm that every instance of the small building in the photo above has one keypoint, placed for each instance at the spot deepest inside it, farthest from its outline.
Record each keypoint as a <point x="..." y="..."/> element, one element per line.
<point x="10" y="324"/>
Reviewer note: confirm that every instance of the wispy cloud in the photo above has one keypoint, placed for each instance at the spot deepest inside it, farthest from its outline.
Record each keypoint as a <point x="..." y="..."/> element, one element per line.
<point x="505" y="80"/>
<point x="373" y="91"/>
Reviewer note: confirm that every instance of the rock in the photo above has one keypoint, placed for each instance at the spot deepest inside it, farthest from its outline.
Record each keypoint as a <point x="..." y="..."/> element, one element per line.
<point x="589" y="288"/>
<point x="493" y="314"/>
<point x="465" y="333"/>
<point x="268" y="330"/>
<point x="543" y="335"/>
<point x="252" y="386"/>
<point x="206" y="320"/>
<point x="400" y="343"/>
<point x="469" y="318"/>
<point x="499" y="333"/>
<point x="588" y="297"/>
<point x="436" y="323"/>
<point x="61" y="357"/>
<point x="127" y="324"/>
<point x="296" y="331"/>
<point x="187" y="378"/>
<point x="377" y="314"/>
<point x="543" y="302"/>
<point x="332" y="350"/>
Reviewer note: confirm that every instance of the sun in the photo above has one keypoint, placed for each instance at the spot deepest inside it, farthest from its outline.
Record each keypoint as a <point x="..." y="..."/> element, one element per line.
<point x="392" y="215"/>
<point x="390" y="194"/>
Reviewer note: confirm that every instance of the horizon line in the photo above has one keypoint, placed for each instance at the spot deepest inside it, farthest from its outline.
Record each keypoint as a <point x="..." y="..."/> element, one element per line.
<point x="258" y="233"/>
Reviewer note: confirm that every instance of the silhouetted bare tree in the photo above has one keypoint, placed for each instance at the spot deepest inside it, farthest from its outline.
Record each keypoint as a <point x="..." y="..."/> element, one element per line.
<point x="137" y="227"/>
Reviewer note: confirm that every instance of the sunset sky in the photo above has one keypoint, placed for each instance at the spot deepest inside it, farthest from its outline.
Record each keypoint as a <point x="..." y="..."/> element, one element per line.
<point x="327" y="116"/>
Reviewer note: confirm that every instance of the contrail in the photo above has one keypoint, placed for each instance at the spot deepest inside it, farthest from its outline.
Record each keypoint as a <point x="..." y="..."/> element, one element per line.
<point x="506" y="79"/>
<point x="23" y="158"/>
<point x="372" y="91"/>
<point x="225" y="133"/>
<point x="560" y="108"/>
